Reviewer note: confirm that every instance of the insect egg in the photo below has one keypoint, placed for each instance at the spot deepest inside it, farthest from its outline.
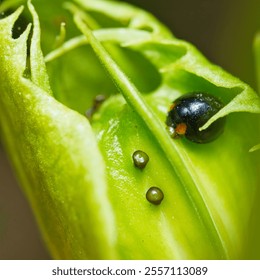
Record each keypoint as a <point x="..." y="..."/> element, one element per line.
<point x="154" y="195"/>
<point x="190" y="112"/>
<point x="140" y="159"/>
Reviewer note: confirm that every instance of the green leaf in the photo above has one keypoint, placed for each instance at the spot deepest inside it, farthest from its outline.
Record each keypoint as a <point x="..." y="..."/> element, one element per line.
<point x="88" y="197"/>
<point x="52" y="147"/>
<point x="195" y="187"/>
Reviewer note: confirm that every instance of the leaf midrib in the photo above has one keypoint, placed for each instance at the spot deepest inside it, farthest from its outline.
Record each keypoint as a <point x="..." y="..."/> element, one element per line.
<point x="171" y="150"/>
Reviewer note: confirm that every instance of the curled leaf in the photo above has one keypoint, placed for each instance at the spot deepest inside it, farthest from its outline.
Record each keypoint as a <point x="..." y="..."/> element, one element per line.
<point x="46" y="141"/>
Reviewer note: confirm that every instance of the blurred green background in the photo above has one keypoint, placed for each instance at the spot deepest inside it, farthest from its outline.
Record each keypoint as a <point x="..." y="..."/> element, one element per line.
<point x="222" y="29"/>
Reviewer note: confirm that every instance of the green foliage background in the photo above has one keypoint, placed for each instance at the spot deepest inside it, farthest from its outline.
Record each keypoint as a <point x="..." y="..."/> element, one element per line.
<point x="222" y="30"/>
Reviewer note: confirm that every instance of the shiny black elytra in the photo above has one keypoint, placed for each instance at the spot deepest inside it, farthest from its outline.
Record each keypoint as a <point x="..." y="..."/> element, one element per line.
<point x="190" y="112"/>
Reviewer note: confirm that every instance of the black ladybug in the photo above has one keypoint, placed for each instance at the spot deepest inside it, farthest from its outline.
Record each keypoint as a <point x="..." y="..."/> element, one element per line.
<point x="190" y="112"/>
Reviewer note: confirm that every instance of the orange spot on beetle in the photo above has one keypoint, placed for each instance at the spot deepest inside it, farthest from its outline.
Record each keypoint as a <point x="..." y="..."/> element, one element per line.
<point x="181" y="129"/>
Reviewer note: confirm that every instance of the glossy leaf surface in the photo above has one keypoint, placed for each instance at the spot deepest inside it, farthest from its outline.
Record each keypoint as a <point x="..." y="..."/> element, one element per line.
<point x="79" y="176"/>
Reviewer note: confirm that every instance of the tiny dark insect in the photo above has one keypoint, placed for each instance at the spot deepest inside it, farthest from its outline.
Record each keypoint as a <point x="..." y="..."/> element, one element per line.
<point x="140" y="159"/>
<point x="97" y="101"/>
<point x="190" y="112"/>
<point x="154" y="195"/>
